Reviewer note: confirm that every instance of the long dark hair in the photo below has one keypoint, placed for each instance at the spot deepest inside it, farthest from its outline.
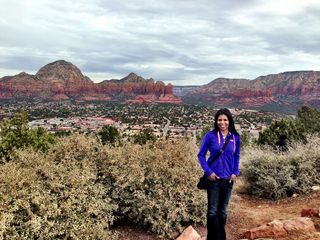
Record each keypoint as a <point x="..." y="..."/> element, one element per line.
<point x="226" y="112"/>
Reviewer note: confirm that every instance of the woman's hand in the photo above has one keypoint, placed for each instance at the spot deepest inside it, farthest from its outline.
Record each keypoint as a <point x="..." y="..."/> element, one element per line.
<point x="213" y="177"/>
<point x="233" y="178"/>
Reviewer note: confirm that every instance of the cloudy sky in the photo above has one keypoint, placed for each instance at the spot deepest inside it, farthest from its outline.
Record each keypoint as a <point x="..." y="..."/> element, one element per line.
<point x="185" y="42"/>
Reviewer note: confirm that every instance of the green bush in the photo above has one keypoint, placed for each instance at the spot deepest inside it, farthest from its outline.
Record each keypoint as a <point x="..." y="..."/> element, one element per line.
<point x="54" y="195"/>
<point x="272" y="175"/>
<point x="16" y="134"/>
<point x="154" y="186"/>
<point x="246" y="139"/>
<point x="109" y="135"/>
<point x="144" y="136"/>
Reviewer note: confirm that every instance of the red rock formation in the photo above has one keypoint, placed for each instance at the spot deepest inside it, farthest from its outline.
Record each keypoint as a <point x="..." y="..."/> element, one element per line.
<point x="288" y="88"/>
<point x="58" y="97"/>
<point x="151" y="98"/>
<point x="277" y="228"/>
<point x="142" y="99"/>
<point x="62" y="80"/>
<point x="20" y="85"/>
<point x="168" y="89"/>
<point x="134" y="85"/>
<point x="169" y="98"/>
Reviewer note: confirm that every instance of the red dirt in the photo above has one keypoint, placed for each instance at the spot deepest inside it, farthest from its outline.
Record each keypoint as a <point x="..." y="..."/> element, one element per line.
<point x="247" y="212"/>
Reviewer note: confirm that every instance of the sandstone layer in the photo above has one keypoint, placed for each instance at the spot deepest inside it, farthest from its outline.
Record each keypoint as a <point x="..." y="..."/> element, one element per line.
<point x="287" y="89"/>
<point x="62" y="80"/>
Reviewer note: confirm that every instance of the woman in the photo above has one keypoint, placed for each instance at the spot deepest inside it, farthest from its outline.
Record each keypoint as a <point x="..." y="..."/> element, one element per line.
<point x="222" y="173"/>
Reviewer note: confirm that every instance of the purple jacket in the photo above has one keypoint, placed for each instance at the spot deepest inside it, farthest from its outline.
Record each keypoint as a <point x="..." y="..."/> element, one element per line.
<point x="228" y="162"/>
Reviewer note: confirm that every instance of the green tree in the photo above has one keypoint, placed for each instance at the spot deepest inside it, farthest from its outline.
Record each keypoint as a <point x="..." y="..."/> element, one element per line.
<point x="292" y="129"/>
<point x="309" y="117"/>
<point x="15" y="134"/>
<point x="144" y="136"/>
<point x="307" y="122"/>
<point x="109" y="135"/>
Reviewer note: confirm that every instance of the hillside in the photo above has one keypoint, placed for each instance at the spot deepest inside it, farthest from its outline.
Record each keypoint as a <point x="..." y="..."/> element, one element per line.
<point x="288" y="90"/>
<point x="61" y="81"/>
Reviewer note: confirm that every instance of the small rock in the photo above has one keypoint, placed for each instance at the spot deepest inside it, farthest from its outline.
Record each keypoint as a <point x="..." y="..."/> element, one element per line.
<point x="310" y="212"/>
<point x="189" y="234"/>
<point x="295" y="195"/>
<point x="315" y="188"/>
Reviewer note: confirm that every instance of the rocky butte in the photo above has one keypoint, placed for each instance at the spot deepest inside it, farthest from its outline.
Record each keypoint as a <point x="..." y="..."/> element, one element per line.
<point x="61" y="80"/>
<point x="283" y="90"/>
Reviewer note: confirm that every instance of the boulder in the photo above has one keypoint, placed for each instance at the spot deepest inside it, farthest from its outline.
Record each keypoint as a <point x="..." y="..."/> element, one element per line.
<point x="273" y="229"/>
<point x="299" y="223"/>
<point x="277" y="228"/>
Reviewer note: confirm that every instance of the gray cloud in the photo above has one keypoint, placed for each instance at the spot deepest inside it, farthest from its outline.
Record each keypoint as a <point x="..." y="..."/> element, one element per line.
<point x="182" y="42"/>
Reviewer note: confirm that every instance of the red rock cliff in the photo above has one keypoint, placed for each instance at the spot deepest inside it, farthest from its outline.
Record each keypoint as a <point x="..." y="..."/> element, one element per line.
<point x="288" y="88"/>
<point x="62" y="80"/>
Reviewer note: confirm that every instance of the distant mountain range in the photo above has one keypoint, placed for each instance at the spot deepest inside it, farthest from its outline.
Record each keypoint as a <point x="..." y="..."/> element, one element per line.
<point x="277" y="92"/>
<point x="62" y="80"/>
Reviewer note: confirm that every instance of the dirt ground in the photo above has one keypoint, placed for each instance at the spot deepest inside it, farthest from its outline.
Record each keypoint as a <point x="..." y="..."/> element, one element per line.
<point x="246" y="212"/>
<point x="250" y="212"/>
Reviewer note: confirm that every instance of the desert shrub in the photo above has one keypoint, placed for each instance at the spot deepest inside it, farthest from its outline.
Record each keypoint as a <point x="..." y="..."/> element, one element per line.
<point x="80" y="188"/>
<point x="274" y="175"/>
<point x="269" y="177"/>
<point x="246" y="139"/>
<point x="154" y="185"/>
<point x="109" y="135"/>
<point x="306" y="162"/>
<point x="144" y="136"/>
<point x="54" y="195"/>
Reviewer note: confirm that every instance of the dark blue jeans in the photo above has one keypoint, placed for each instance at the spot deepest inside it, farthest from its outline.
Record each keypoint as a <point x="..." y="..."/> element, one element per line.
<point x="219" y="192"/>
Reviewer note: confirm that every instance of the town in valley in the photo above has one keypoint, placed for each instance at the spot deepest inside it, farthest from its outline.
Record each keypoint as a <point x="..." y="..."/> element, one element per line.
<point x="166" y="120"/>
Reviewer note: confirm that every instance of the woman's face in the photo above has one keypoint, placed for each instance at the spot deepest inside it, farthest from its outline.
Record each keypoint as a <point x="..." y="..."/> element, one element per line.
<point x="223" y="122"/>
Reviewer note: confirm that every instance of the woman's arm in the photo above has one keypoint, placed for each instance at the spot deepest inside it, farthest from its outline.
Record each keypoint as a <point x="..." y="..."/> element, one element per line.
<point x="202" y="154"/>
